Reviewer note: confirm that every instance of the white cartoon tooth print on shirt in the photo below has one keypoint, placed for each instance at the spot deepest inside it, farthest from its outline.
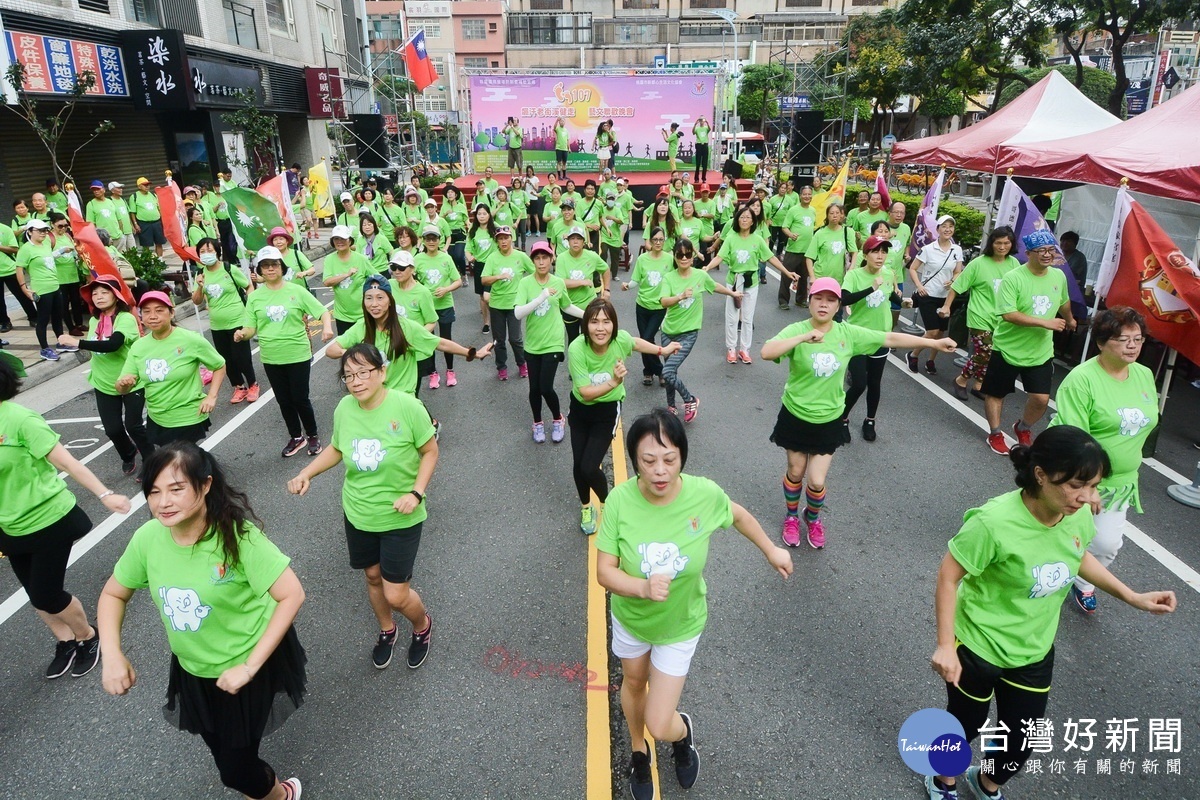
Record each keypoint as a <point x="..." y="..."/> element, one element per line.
<point x="214" y="290"/>
<point x="157" y="369"/>
<point x="825" y="364"/>
<point x="1049" y="578"/>
<point x="368" y="454"/>
<point x="277" y="313"/>
<point x="1132" y="420"/>
<point x="1041" y="304"/>
<point x="661" y="558"/>
<point x="183" y="608"/>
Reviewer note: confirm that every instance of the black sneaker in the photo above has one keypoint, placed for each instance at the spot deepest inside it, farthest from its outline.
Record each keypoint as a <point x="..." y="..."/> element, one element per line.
<point x="87" y="656"/>
<point x="129" y="467"/>
<point x="418" y="648"/>
<point x="641" y="783"/>
<point x="868" y="430"/>
<point x="381" y="655"/>
<point x="687" y="760"/>
<point x="64" y="657"/>
<point x="846" y="431"/>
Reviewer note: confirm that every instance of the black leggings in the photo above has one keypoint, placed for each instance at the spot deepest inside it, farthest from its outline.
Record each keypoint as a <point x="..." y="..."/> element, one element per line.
<point x="49" y="312"/>
<point x="39" y="559"/>
<point x="866" y="374"/>
<point x="649" y="320"/>
<point x="444" y="330"/>
<point x="542" y="369"/>
<point x="72" y="310"/>
<point x="592" y="428"/>
<point x="1020" y="693"/>
<point x="240" y="767"/>
<point x="14" y="286"/>
<point x="239" y="365"/>
<point x="290" y="382"/>
<point x="121" y="415"/>
<point x="701" y="162"/>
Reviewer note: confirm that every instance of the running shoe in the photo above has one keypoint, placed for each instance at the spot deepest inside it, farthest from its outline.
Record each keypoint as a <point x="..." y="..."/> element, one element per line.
<point x="451" y="378"/>
<point x="961" y="393"/>
<point x="972" y="779"/>
<point x="437" y="429"/>
<point x="1086" y="601"/>
<point x="418" y="648"/>
<point x="791" y="531"/>
<point x="587" y="520"/>
<point x="690" y="410"/>
<point x="239" y="395"/>
<point x="1024" y="436"/>
<point x="745" y="357"/>
<point x="7" y="326"/>
<point x="784" y="307"/>
<point x="522" y="370"/>
<point x="997" y="443"/>
<point x="846" y="431"/>
<point x="381" y="654"/>
<point x="647" y="380"/>
<point x="931" y="367"/>
<point x="129" y="467"/>
<point x="291" y="789"/>
<point x="687" y="760"/>
<point x="558" y="429"/>
<point x="913" y="364"/>
<point x="731" y="357"/>
<point x="539" y="432"/>
<point x="293" y="446"/>
<point x="937" y="793"/>
<point x="314" y="446"/>
<point x="64" y="657"/>
<point x="87" y="655"/>
<point x="816" y="534"/>
<point x="673" y="410"/>
<point x="868" y="428"/>
<point x="502" y="374"/>
<point x="48" y="354"/>
<point x="434" y="381"/>
<point x="66" y="348"/>
<point x="487" y="328"/>
<point x="641" y="782"/>
<point x="252" y="393"/>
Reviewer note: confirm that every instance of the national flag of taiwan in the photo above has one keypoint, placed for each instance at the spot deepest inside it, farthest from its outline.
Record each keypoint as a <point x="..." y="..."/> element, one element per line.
<point x="1143" y="269"/>
<point x="1018" y="212"/>
<point x="417" y="62"/>
<point x="925" y="231"/>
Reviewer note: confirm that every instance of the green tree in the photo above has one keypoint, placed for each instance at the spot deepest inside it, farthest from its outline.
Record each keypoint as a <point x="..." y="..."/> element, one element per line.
<point x="760" y="85"/>
<point x="258" y="130"/>
<point x="878" y="65"/>
<point x="1097" y="83"/>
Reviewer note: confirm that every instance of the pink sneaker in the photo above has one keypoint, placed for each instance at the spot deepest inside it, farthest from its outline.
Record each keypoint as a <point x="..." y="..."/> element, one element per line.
<point x="523" y="371"/>
<point x="690" y="410"/>
<point x="434" y="381"/>
<point x="502" y="374"/>
<point x="252" y="393"/>
<point x="791" y="531"/>
<point x="239" y="395"/>
<point x="745" y="357"/>
<point x="451" y="380"/>
<point x="816" y="534"/>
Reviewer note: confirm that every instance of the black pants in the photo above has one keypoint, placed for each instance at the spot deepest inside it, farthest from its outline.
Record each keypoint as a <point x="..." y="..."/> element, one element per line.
<point x="425" y="368"/>
<point x="341" y="326"/>
<point x="701" y="162"/>
<point x="240" y="767"/>
<point x="592" y="428"/>
<point x="290" y="382"/>
<point x="444" y="329"/>
<point x="542" y="369"/>
<point x="39" y="559"/>
<point x="14" y="286"/>
<point x="49" y="312"/>
<point x="573" y="327"/>
<point x="73" y="310"/>
<point x="121" y="415"/>
<point x="866" y="374"/>
<point x="777" y="240"/>
<point x="239" y="365"/>
<point x="1020" y="694"/>
<point x="795" y="264"/>
<point x="506" y="327"/>
<point x="648" y="322"/>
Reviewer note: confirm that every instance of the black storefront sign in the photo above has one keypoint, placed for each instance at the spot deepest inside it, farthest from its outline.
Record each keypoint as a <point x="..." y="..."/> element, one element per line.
<point x="218" y="84"/>
<point x="158" y="69"/>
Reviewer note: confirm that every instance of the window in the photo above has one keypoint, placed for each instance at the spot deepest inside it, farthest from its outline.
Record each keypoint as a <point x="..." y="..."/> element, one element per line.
<point x="475" y="62"/>
<point x="617" y="31"/>
<point x="145" y="11"/>
<point x="708" y="3"/>
<point x="804" y="3"/>
<point x="427" y="104"/>
<point x="639" y="4"/>
<point x="279" y="17"/>
<point x="867" y="2"/>
<point x="474" y="30"/>
<point x="328" y="28"/>
<point x="99" y="6"/>
<point x="545" y="5"/>
<point x="543" y="29"/>
<point x="804" y="32"/>
<point x="432" y="28"/>
<point x="239" y="24"/>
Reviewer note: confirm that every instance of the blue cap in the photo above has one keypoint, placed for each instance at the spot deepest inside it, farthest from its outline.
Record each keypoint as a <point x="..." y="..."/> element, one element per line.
<point x="1039" y="238"/>
<point x="377" y="282"/>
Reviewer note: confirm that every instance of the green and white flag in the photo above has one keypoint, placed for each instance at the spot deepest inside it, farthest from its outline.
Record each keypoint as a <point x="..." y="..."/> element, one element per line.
<point x="252" y="216"/>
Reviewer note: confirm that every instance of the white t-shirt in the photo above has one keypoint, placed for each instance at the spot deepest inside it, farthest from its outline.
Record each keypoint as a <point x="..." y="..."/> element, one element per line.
<point x="937" y="267"/>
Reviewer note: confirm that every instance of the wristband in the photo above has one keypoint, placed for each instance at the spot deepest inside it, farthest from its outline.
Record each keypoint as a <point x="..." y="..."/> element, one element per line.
<point x="105" y="494"/>
<point x="420" y="497"/>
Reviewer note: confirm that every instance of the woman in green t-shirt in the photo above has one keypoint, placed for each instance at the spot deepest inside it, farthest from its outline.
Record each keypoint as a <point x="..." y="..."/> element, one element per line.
<point x="227" y="598"/>
<point x="501" y="208"/>
<point x="603" y="144"/>
<point x="223" y="288"/>
<point x="660" y="215"/>
<point x="297" y="268"/>
<point x="374" y="246"/>
<point x="518" y="201"/>
<point x="672" y="140"/>
<point x="438" y="272"/>
<point x="562" y="146"/>
<point x="648" y="272"/>
<point x="866" y="294"/>
<point x="1000" y="591"/>
<point x="597" y="364"/>
<point x="196" y="229"/>
<point x="111" y="332"/>
<point x="388" y="445"/>
<point x="701" y="130"/>
<point x="39" y="521"/>
<point x="38" y="277"/>
<point x="481" y="243"/>
<point x="454" y="211"/>
<point x="389" y="215"/>
<point x="652" y="550"/>
<point x="344" y="272"/>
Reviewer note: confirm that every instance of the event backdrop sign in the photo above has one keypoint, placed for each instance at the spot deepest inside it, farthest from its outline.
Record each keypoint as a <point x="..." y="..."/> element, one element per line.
<point x="640" y="106"/>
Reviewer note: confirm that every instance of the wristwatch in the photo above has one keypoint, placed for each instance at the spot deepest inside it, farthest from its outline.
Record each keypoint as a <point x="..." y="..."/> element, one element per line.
<point x="420" y="497"/>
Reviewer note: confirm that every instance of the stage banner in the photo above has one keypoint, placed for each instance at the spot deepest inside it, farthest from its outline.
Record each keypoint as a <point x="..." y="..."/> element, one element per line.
<point x="640" y="107"/>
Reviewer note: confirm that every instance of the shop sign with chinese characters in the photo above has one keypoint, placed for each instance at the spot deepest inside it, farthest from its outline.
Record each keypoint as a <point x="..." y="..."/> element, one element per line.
<point x="52" y="63"/>
<point x="158" y="69"/>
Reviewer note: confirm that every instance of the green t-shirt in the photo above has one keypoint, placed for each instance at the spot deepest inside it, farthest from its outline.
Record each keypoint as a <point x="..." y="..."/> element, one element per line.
<point x="294" y="262"/>
<point x="375" y="250"/>
<point x="389" y="217"/>
<point x="214" y="614"/>
<point x="583" y="267"/>
<point x="437" y="272"/>
<point x="670" y="540"/>
<point x="278" y="317"/>
<point x="800" y="220"/>
<point x="169" y="370"/>
<point x="1037" y="296"/>
<point x="1018" y="575"/>
<point x="502" y="214"/>
<point x="589" y="368"/>
<point x="867" y="219"/>
<point x="515" y="138"/>
<point x="544" y="328"/>
<point x="40" y="270"/>
<point x="551" y="212"/>
<point x="828" y="249"/>
<point x="693" y="229"/>
<point x="57" y="202"/>
<point x="347" y="293"/>
<point x="814" y="391"/>
<point x="480" y="247"/>
<point x="610" y="227"/>
<point x="688" y="314"/>
<point x="874" y="311"/>
<point x="439" y="223"/>
<point x="490" y="185"/>
<point x="556" y="234"/>
<point x="380" y="449"/>
<point x="742" y="253"/>
<point x="982" y="277"/>
<point x="144" y="206"/>
<point x="701" y="132"/>
<point x="648" y="274"/>
<point x="626" y="202"/>
<point x="401" y="373"/>
<point x="672" y="145"/>
<point x="32" y="495"/>
<point x="225" y="308"/>
<point x="511" y="268"/>
<point x="7" y="239"/>
<point x="455" y="215"/>
<point x="106" y="367"/>
<point x="104" y="214"/>
<point x="67" y="265"/>
<point x="1119" y="414"/>
<point x="562" y="139"/>
<point x="415" y="303"/>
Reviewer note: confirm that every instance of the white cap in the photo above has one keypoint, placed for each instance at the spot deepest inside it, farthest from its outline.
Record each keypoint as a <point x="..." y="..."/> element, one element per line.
<point x="401" y="258"/>
<point x="347" y="196"/>
<point x="411" y="190"/>
<point x="267" y="253"/>
<point x="431" y="202"/>
<point x="37" y="224"/>
<point x="363" y="210"/>
<point x="341" y="232"/>
<point x="431" y="230"/>
<point x="116" y="185"/>
<point x="576" y="231"/>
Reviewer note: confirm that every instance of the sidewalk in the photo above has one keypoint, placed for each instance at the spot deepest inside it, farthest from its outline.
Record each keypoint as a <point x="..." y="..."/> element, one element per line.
<point x="22" y="339"/>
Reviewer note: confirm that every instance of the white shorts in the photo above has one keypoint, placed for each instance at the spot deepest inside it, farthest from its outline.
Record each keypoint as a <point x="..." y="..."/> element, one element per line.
<point x="669" y="659"/>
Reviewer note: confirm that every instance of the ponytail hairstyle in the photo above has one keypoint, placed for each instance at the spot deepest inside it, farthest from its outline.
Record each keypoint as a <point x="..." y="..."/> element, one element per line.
<point x="1063" y="453"/>
<point x="391" y="320"/>
<point x="227" y="510"/>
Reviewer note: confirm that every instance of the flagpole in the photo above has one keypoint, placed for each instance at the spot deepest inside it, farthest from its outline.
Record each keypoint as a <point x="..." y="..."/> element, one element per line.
<point x="1108" y="257"/>
<point x="1162" y="396"/>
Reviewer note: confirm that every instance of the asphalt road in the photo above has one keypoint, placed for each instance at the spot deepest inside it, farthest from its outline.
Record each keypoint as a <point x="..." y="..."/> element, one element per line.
<point x="798" y="688"/>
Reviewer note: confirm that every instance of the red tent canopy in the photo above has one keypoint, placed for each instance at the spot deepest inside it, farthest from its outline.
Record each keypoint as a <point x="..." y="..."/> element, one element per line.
<point x="1050" y="109"/>
<point x="1155" y="150"/>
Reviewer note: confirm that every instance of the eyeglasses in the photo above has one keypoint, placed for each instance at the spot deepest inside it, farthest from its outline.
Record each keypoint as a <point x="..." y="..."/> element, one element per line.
<point x="1129" y="339"/>
<point x="658" y="239"/>
<point x="60" y="227"/>
<point x="361" y="375"/>
<point x="1043" y="251"/>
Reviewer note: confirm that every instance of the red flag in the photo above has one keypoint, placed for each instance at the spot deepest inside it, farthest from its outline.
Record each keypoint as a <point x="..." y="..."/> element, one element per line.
<point x="420" y="67"/>
<point x="95" y="255"/>
<point x="1156" y="279"/>
<point x="170" y="205"/>
<point x="881" y="187"/>
<point x="276" y="190"/>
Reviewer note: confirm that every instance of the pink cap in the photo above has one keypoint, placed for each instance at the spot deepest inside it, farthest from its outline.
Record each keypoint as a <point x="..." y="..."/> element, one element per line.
<point x="158" y="297"/>
<point x="825" y="285"/>
<point x="541" y="247"/>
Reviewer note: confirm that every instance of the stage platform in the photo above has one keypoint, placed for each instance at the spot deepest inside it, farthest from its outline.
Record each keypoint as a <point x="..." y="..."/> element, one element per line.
<point x="644" y="185"/>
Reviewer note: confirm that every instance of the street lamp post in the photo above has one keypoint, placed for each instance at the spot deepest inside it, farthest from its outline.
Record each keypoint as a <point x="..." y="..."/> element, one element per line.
<point x="730" y="16"/>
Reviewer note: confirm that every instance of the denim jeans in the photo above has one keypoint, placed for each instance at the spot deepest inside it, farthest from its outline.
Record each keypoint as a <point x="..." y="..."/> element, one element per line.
<point x="670" y="371"/>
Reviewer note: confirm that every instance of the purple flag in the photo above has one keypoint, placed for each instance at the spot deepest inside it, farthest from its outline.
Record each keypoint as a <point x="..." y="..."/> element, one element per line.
<point x="1019" y="213"/>
<point x="925" y="231"/>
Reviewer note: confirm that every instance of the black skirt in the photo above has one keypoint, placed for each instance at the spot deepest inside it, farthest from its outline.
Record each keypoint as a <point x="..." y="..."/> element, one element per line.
<point x="802" y="436"/>
<point x="196" y="705"/>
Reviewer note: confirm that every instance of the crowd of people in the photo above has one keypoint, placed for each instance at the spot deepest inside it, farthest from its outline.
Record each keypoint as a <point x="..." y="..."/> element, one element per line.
<point x="237" y="665"/>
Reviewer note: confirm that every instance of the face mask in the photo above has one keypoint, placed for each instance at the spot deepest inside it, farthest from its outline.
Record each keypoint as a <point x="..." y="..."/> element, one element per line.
<point x="610" y="203"/>
<point x="208" y="259"/>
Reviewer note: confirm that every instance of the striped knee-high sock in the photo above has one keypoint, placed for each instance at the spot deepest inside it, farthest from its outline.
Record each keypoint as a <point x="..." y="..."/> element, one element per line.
<point x="791" y="496"/>
<point x="814" y="499"/>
